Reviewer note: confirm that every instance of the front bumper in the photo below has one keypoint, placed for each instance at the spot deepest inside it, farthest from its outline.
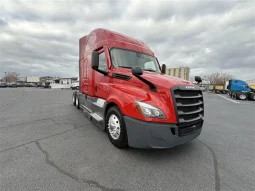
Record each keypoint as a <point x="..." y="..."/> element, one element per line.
<point x="142" y="134"/>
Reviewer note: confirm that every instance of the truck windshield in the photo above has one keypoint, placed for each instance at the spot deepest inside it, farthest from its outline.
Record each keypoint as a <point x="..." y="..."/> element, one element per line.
<point x="127" y="59"/>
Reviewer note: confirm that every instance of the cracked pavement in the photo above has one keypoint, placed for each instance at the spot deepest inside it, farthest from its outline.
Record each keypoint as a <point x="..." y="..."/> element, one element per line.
<point x="47" y="144"/>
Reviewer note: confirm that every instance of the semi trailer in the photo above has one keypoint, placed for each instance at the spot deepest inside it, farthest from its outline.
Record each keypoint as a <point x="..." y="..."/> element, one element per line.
<point x="124" y="91"/>
<point x="239" y="89"/>
<point x="219" y="88"/>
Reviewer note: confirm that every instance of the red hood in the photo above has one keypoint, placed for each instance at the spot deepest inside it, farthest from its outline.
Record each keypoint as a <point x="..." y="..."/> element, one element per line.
<point x="158" y="79"/>
<point x="164" y="80"/>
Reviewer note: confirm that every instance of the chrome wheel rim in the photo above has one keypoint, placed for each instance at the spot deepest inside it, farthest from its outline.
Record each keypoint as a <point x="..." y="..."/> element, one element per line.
<point x="242" y="96"/>
<point x="114" y="126"/>
<point x="73" y="99"/>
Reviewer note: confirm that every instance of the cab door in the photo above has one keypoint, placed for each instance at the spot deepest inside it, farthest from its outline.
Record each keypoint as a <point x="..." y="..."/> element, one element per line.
<point x="102" y="81"/>
<point x="101" y="88"/>
<point x="84" y="70"/>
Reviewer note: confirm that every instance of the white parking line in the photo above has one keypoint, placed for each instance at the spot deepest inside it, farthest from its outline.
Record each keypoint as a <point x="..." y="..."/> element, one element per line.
<point x="228" y="99"/>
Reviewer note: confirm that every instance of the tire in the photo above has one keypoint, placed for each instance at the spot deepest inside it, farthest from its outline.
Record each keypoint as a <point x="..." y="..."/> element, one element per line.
<point x="241" y="96"/>
<point x="252" y="96"/>
<point x="115" y="116"/>
<point x="217" y="91"/>
<point x="77" y="102"/>
<point x="74" y="99"/>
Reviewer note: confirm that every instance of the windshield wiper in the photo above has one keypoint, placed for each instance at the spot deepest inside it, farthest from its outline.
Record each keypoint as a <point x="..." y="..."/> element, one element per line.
<point x="124" y="67"/>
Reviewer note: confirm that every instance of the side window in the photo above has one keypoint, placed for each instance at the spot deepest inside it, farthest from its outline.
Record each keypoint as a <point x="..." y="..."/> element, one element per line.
<point x="149" y="65"/>
<point x="102" y="62"/>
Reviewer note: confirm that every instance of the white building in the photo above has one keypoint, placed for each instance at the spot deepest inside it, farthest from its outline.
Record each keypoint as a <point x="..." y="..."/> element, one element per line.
<point x="182" y="72"/>
<point x="62" y="82"/>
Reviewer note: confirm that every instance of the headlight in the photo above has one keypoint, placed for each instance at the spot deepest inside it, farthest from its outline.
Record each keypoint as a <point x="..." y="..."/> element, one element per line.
<point x="148" y="110"/>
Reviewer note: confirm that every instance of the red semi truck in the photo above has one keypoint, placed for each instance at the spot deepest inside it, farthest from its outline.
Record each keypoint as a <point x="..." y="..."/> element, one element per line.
<point x="125" y="91"/>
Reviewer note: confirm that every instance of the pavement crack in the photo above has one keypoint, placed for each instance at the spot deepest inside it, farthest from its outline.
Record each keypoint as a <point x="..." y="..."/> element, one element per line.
<point x="49" y="118"/>
<point x="36" y="140"/>
<point x="89" y="182"/>
<point x="215" y="164"/>
<point x="74" y="126"/>
<point x="11" y="103"/>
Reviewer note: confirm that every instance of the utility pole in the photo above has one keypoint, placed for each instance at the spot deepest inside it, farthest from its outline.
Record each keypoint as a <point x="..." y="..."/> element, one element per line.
<point x="5" y="78"/>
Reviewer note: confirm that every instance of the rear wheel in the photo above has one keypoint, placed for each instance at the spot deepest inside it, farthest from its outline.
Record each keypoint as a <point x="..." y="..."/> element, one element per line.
<point x="116" y="128"/>
<point x="74" y="99"/>
<point x="241" y="96"/>
<point x="252" y="97"/>
<point x="217" y="91"/>
<point x="77" y="102"/>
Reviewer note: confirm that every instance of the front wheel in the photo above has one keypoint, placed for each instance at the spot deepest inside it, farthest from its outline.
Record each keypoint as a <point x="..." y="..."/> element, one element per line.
<point x="116" y="128"/>
<point x="241" y="96"/>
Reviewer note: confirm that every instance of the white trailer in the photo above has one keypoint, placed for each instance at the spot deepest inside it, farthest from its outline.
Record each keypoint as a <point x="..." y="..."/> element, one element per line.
<point x="32" y="79"/>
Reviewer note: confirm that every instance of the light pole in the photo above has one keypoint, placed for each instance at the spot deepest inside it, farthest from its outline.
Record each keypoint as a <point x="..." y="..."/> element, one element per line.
<point x="5" y="78"/>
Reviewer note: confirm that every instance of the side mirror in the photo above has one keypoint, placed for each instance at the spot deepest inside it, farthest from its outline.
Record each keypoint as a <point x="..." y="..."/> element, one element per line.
<point x="163" y="69"/>
<point x="95" y="60"/>
<point x="137" y="71"/>
<point x="198" y="79"/>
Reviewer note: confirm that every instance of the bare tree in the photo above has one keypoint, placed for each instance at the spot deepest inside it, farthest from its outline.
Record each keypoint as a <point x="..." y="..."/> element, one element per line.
<point x="11" y="77"/>
<point x="219" y="78"/>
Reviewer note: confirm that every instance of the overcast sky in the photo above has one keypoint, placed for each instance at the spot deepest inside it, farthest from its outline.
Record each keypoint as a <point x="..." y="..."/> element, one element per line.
<point x="41" y="37"/>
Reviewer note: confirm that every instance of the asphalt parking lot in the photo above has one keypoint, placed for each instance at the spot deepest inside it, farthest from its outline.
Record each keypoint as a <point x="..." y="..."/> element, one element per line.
<point x="47" y="144"/>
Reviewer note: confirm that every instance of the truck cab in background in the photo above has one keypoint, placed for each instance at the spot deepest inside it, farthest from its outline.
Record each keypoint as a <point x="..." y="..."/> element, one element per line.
<point x="239" y="89"/>
<point x="124" y="91"/>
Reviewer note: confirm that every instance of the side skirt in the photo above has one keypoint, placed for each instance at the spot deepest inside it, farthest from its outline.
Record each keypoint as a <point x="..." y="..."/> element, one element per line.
<point x="94" y="109"/>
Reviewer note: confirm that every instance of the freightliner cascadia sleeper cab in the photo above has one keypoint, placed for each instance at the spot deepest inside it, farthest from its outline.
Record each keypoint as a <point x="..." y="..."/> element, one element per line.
<point x="125" y="91"/>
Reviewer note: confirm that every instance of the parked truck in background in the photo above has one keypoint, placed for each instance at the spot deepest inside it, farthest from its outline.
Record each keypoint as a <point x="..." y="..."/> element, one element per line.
<point x="124" y="90"/>
<point x="239" y="89"/>
<point x="219" y="88"/>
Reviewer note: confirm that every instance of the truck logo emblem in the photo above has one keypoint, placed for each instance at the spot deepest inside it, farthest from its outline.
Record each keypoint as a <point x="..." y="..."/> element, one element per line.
<point x="190" y="87"/>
